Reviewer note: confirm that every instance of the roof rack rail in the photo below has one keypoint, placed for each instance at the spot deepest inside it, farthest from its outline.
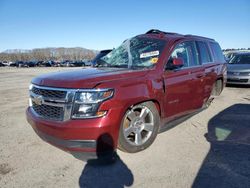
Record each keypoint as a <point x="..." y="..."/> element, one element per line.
<point x="189" y="35"/>
<point x="156" y="31"/>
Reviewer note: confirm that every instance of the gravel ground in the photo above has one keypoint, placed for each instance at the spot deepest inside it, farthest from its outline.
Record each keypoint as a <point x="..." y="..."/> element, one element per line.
<point x="211" y="149"/>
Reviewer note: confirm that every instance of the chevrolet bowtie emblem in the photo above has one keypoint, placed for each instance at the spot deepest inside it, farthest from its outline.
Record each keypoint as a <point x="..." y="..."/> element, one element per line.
<point x="38" y="100"/>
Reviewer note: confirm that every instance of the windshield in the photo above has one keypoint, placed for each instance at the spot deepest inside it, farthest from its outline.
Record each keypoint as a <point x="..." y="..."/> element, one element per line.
<point x="240" y="59"/>
<point x="137" y="52"/>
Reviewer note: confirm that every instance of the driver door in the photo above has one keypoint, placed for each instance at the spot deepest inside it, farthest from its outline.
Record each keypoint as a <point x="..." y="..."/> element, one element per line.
<point x="182" y="84"/>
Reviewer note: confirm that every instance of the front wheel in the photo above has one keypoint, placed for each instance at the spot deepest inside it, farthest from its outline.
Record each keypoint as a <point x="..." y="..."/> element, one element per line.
<point x="139" y="127"/>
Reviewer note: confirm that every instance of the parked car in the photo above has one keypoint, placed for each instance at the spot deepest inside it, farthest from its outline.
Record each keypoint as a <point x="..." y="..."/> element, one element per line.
<point x="5" y="63"/>
<point x="57" y="64"/>
<point x="31" y="63"/>
<point x="79" y="63"/>
<point x="2" y="64"/>
<point x="65" y="63"/>
<point x="20" y="64"/>
<point x="46" y="64"/>
<point x="239" y="69"/>
<point x="13" y="64"/>
<point x="87" y="62"/>
<point x="147" y="84"/>
<point x="99" y="56"/>
<point x="230" y="55"/>
<point x="39" y="63"/>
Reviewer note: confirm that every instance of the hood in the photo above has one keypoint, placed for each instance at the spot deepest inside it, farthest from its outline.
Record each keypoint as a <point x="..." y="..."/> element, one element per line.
<point x="85" y="78"/>
<point x="238" y="67"/>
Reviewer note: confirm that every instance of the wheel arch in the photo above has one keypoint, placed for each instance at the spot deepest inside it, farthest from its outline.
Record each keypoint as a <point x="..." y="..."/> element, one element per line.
<point x="154" y="101"/>
<point x="218" y="86"/>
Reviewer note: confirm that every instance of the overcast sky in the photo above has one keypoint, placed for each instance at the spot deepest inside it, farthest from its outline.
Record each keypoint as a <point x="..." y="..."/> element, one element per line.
<point x="27" y="24"/>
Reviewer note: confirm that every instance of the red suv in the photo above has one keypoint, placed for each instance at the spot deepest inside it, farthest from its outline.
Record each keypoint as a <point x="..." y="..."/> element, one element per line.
<point x="137" y="90"/>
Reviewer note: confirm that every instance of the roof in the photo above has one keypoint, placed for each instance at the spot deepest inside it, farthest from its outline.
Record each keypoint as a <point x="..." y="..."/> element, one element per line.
<point x="163" y="34"/>
<point x="242" y="53"/>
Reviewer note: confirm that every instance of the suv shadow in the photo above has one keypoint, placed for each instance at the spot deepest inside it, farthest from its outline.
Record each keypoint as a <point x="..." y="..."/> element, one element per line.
<point x="107" y="170"/>
<point x="228" y="162"/>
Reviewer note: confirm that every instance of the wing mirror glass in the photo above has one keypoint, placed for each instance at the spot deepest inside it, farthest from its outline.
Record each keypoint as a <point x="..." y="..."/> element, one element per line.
<point x="174" y="63"/>
<point x="178" y="62"/>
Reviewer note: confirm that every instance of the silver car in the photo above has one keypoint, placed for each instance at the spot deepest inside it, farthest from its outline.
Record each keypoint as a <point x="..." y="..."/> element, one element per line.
<point x="238" y="69"/>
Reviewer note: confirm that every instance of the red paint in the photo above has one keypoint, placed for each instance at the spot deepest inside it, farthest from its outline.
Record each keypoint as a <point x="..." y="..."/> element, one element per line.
<point x="174" y="92"/>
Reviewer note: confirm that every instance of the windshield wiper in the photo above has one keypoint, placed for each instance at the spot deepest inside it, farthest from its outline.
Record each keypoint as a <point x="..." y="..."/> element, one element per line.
<point x="118" y="66"/>
<point x="134" y="67"/>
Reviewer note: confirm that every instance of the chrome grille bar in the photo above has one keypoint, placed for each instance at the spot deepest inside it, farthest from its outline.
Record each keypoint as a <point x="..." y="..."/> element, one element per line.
<point x="52" y="103"/>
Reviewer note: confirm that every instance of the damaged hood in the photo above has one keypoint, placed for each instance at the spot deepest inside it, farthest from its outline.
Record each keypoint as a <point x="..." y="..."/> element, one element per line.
<point x="85" y="78"/>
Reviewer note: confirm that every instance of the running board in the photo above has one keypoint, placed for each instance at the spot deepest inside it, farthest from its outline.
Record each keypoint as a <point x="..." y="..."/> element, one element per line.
<point x="171" y="124"/>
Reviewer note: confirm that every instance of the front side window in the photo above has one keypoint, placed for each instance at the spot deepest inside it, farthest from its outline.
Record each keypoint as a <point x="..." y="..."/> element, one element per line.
<point x="137" y="52"/>
<point x="204" y="52"/>
<point x="187" y="52"/>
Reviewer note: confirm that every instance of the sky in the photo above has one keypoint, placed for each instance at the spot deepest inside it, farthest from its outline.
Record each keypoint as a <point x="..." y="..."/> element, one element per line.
<point x="92" y="24"/>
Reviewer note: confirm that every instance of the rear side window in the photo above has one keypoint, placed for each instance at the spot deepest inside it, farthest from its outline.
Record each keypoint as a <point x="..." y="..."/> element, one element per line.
<point x="218" y="56"/>
<point x="186" y="51"/>
<point x="204" y="54"/>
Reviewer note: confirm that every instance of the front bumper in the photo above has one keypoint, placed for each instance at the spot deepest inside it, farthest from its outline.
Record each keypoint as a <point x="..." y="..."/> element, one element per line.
<point x="242" y="80"/>
<point x="91" y="136"/>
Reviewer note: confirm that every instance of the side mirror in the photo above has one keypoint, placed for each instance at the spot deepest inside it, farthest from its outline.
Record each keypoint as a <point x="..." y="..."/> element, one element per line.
<point x="178" y="62"/>
<point x="174" y="63"/>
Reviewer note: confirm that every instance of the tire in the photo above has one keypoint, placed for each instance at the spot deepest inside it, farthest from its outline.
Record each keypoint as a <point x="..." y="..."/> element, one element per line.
<point x="217" y="88"/>
<point x="139" y="127"/>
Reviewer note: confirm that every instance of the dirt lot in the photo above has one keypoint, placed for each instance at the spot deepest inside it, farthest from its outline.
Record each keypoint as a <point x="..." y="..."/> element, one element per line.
<point x="212" y="149"/>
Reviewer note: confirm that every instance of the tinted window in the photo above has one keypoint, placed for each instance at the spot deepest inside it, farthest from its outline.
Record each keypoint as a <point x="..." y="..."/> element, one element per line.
<point x="241" y="59"/>
<point x="204" y="52"/>
<point x="187" y="51"/>
<point x="218" y="56"/>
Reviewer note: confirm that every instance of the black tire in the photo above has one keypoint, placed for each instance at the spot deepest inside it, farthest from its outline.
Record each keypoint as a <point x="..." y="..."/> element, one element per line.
<point x="130" y="143"/>
<point x="217" y="88"/>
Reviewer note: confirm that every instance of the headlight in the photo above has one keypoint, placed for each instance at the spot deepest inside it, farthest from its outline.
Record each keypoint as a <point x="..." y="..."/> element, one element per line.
<point x="30" y="87"/>
<point x="87" y="102"/>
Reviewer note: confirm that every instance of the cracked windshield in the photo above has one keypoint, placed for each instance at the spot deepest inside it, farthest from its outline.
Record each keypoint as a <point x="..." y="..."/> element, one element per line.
<point x="135" y="53"/>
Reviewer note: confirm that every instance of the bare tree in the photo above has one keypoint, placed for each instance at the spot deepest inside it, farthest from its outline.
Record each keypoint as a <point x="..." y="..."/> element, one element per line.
<point x="46" y="54"/>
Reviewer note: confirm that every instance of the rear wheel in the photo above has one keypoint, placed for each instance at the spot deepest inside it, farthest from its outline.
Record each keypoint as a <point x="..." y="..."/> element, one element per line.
<point x="216" y="91"/>
<point x="217" y="88"/>
<point x="139" y="127"/>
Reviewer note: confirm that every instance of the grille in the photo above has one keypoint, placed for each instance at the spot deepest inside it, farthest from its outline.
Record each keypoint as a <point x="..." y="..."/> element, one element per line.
<point x="245" y="73"/>
<point x="49" y="112"/>
<point x="240" y="80"/>
<point x="49" y="93"/>
<point x="239" y="73"/>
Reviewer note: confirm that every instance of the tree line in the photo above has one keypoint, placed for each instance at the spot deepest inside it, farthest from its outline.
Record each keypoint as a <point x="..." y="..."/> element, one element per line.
<point x="48" y="54"/>
<point x="234" y="49"/>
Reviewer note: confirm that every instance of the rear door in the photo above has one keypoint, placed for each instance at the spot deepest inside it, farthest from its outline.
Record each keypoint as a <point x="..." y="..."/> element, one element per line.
<point x="183" y="88"/>
<point x="205" y="58"/>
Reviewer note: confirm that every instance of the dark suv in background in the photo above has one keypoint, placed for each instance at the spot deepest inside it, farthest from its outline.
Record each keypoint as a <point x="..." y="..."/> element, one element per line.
<point x="140" y="88"/>
<point x="99" y="56"/>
